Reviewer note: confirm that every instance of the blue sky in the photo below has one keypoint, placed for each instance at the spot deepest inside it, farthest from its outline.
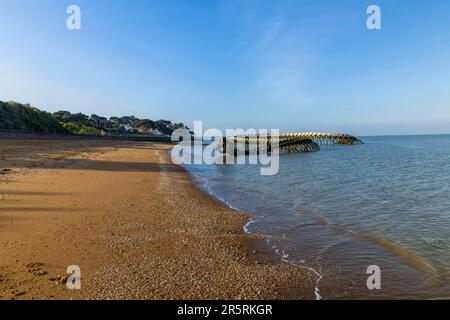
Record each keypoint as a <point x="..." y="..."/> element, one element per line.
<point x="293" y="65"/>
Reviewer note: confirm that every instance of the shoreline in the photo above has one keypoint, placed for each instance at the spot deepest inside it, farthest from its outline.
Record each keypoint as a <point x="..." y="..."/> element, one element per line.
<point x="140" y="229"/>
<point x="269" y="251"/>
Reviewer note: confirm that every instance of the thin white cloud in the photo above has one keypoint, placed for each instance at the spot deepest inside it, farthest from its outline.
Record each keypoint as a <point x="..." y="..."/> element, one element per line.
<point x="272" y="31"/>
<point x="275" y="50"/>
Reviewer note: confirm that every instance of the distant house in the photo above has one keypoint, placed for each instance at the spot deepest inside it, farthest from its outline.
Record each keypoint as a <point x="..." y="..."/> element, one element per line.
<point x="130" y="129"/>
<point x="156" y="132"/>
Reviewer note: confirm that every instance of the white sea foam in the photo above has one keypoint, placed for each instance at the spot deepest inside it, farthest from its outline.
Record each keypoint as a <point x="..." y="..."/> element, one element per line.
<point x="250" y="222"/>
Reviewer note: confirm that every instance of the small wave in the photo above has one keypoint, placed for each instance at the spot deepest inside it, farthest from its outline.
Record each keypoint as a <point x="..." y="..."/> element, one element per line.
<point x="435" y="242"/>
<point x="305" y="225"/>
<point x="204" y="185"/>
<point x="284" y="255"/>
<point x="310" y="269"/>
<point x="409" y="257"/>
<point x="298" y="264"/>
<point x="250" y="222"/>
<point x="202" y="182"/>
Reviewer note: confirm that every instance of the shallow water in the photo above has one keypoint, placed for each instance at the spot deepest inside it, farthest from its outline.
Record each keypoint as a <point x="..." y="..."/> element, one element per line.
<point x="345" y="208"/>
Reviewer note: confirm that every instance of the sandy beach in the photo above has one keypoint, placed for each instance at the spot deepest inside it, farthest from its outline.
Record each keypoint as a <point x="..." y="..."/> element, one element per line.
<point x="133" y="222"/>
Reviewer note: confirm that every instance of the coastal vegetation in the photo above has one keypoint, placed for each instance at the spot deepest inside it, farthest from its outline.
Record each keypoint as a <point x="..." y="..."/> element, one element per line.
<point x="17" y="116"/>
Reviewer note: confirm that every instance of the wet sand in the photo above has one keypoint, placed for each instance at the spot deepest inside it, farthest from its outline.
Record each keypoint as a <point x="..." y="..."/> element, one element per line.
<point x="132" y="221"/>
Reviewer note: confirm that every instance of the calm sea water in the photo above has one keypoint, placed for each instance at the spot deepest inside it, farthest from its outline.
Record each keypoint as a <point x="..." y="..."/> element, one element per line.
<point x="345" y="208"/>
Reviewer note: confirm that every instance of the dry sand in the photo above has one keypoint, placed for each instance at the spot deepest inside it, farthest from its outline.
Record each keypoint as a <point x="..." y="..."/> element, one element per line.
<point x="132" y="221"/>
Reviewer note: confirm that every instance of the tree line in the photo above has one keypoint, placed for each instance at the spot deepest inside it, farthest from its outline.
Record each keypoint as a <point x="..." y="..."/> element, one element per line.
<point x="16" y="116"/>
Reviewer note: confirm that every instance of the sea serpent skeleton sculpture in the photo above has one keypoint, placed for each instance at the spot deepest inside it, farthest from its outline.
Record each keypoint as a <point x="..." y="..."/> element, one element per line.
<point x="287" y="142"/>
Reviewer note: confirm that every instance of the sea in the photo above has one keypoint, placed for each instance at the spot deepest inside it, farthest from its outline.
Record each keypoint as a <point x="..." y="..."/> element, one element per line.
<point x="371" y="221"/>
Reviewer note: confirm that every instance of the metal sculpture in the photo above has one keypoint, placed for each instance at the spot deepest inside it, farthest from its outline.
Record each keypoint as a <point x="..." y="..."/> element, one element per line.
<point x="287" y="143"/>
